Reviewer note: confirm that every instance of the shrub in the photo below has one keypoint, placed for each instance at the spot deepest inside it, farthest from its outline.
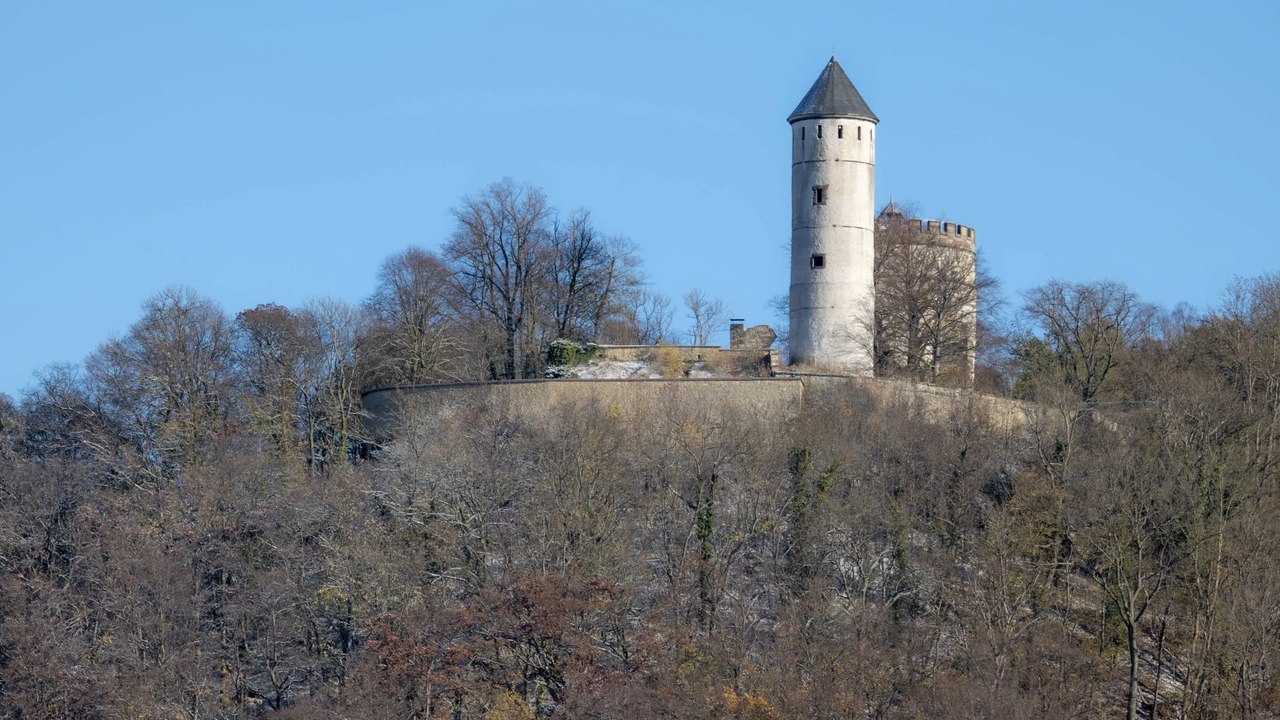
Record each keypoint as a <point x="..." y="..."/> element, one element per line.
<point x="568" y="353"/>
<point x="669" y="361"/>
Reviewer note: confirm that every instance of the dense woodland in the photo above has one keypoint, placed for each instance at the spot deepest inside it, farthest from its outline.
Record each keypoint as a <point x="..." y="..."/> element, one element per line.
<point x="193" y="524"/>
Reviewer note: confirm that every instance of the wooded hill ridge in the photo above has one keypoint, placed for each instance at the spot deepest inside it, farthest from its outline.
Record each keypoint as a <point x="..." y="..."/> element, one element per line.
<point x="192" y="523"/>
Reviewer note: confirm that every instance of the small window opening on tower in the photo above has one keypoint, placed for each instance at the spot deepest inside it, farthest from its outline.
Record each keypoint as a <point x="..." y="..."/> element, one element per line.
<point x="819" y="131"/>
<point x="819" y="194"/>
<point x="801" y="132"/>
<point x="840" y="131"/>
<point x="873" y="134"/>
<point x="859" y="132"/>
<point x="817" y="262"/>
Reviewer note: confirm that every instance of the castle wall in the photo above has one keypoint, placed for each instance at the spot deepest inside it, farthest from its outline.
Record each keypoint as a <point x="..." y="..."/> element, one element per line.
<point x="633" y="353"/>
<point x="780" y="399"/>
<point x="533" y="399"/>
<point x="764" y="359"/>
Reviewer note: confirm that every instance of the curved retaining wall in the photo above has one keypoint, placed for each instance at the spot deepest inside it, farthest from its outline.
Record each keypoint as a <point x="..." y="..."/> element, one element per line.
<point x="780" y="398"/>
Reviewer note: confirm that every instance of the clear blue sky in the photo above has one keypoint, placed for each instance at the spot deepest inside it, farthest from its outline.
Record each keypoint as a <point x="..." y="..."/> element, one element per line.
<point x="279" y="151"/>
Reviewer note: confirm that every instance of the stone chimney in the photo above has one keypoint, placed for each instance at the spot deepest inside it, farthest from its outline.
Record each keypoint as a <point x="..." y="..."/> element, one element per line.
<point x="737" y="332"/>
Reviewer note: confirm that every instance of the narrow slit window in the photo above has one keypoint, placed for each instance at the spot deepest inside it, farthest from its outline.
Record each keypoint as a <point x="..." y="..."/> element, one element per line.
<point x="873" y="134"/>
<point x="802" y="132"/>
<point x="840" y="131"/>
<point x="819" y="131"/>
<point x="817" y="262"/>
<point x="820" y="195"/>
<point x="859" y="132"/>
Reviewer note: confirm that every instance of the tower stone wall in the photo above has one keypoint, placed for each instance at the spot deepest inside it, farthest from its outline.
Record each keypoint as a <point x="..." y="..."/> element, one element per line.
<point x="832" y="299"/>
<point x="926" y="282"/>
<point x="959" y="243"/>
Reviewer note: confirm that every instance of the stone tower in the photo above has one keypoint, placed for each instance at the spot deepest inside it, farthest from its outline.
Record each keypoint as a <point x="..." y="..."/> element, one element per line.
<point x="927" y="298"/>
<point x="833" y="163"/>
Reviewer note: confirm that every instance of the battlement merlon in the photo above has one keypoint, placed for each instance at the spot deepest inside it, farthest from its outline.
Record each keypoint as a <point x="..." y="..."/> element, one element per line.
<point x="949" y="234"/>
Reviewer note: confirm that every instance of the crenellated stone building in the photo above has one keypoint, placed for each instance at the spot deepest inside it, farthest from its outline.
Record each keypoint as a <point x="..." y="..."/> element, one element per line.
<point x="927" y="298"/>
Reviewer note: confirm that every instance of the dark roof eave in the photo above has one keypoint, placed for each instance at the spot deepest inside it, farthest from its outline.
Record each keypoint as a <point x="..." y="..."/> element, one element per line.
<point x="810" y="116"/>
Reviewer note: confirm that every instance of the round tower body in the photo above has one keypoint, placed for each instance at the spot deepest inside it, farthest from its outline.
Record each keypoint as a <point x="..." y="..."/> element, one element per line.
<point x="832" y="299"/>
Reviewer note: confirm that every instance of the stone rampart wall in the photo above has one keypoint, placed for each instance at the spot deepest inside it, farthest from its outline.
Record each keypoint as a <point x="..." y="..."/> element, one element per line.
<point x="780" y="398"/>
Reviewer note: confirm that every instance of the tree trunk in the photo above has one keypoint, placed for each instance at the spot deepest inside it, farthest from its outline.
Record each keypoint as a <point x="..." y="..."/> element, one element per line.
<point x="1131" y="630"/>
<point x="1155" y="694"/>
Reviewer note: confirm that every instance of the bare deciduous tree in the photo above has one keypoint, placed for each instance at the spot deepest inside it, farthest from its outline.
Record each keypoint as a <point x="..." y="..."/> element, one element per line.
<point x="1087" y="327"/>
<point x="332" y="412"/>
<point x="927" y="299"/>
<point x="170" y="381"/>
<point x="500" y="254"/>
<point x="591" y="273"/>
<point x="528" y="279"/>
<point x="706" y="313"/>
<point x="279" y="362"/>
<point x="643" y="317"/>
<point x="1130" y="535"/>
<point x="413" y="332"/>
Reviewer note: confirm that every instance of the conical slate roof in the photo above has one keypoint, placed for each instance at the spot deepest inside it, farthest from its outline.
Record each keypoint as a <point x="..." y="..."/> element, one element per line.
<point x="833" y="95"/>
